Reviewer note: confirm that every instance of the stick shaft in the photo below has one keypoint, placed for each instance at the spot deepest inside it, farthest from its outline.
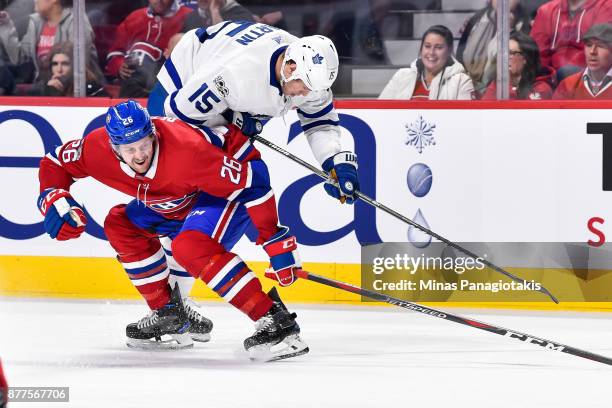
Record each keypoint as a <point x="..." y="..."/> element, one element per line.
<point x="401" y="217"/>
<point x="513" y="334"/>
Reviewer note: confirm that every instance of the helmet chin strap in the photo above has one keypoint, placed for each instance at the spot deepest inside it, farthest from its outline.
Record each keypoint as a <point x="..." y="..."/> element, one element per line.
<point x="284" y="78"/>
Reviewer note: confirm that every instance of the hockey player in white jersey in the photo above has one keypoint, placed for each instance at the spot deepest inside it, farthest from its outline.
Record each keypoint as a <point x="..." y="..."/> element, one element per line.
<point x="245" y="73"/>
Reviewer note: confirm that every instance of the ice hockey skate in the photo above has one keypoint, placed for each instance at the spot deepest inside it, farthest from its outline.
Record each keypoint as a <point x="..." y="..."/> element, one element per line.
<point x="277" y="334"/>
<point x="200" y="326"/>
<point x="163" y="329"/>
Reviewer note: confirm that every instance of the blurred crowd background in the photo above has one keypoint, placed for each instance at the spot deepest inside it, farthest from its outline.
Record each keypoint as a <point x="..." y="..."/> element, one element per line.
<point x="389" y="49"/>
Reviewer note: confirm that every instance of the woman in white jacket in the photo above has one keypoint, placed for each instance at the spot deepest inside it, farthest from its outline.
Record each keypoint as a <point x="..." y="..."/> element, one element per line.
<point x="435" y="75"/>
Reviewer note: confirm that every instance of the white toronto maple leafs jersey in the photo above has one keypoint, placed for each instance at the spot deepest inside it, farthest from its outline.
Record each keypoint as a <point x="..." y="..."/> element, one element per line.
<point x="232" y="65"/>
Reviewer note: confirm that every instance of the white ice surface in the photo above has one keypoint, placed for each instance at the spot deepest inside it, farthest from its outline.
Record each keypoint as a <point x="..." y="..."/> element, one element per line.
<point x="360" y="357"/>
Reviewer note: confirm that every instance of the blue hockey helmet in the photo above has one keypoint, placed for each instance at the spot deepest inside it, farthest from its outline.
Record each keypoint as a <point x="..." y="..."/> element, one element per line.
<point x="128" y="122"/>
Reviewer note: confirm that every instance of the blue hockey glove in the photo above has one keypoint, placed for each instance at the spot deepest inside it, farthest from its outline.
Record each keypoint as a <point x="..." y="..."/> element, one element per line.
<point x="342" y="167"/>
<point x="249" y="125"/>
<point x="64" y="218"/>
<point x="284" y="257"/>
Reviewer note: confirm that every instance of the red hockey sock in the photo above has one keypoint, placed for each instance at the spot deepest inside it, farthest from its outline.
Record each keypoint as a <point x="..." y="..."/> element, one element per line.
<point x="141" y="255"/>
<point x="223" y="271"/>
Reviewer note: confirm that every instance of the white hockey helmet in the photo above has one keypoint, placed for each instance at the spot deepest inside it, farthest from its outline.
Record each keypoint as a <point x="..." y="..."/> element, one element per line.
<point x="316" y="61"/>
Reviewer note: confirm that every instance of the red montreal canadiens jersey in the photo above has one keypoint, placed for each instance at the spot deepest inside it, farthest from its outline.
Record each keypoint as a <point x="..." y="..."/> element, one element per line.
<point x="183" y="164"/>
<point x="144" y="32"/>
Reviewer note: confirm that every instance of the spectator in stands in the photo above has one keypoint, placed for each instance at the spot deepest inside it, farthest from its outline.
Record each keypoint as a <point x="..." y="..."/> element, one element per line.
<point x="528" y="78"/>
<point x="172" y="43"/>
<point x="57" y="80"/>
<point x="559" y="27"/>
<point x="50" y="24"/>
<point x="595" y="82"/>
<point x="211" y="12"/>
<point x="477" y="48"/>
<point x="137" y="53"/>
<point x="7" y="80"/>
<point x="9" y="53"/>
<point x="358" y="32"/>
<point x="192" y="4"/>
<point x="9" y="44"/>
<point x="436" y="74"/>
<point x="273" y="18"/>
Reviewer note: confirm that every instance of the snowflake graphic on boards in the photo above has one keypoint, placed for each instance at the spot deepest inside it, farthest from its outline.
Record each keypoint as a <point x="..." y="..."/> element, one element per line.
<point x="420" y="134"/>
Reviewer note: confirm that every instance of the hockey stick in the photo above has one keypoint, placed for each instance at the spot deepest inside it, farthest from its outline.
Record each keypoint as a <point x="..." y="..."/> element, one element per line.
<point x="399" y="216"/>
<point x="526" y="338"/>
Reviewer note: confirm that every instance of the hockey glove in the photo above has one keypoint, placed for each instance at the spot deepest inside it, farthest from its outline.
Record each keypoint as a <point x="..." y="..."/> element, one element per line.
<point x="284" y="257"/>
<point x="64" y="217"/>
<point x="249" y="125"/>
<point x="342" y="167"/>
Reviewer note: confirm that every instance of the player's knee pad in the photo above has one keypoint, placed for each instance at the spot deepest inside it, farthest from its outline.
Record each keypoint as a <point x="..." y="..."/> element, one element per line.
<point x="193" y="250"/>
<point x="133" y="243"/>
<point x="117" y="224"/>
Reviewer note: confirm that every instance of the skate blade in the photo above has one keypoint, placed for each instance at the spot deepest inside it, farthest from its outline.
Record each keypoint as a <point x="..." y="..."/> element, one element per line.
<point x="291" y="346"/>
<point x="200" y="337"/>
<point x="168" y="342"/>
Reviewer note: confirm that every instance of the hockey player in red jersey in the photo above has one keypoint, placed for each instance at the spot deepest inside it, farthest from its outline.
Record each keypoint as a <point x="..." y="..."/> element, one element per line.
<point x="201" y="197"/>
<point x="3" y="389"/>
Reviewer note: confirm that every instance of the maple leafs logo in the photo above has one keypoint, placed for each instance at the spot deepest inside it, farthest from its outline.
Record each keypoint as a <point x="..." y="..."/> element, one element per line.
<point x="317" y="59"/>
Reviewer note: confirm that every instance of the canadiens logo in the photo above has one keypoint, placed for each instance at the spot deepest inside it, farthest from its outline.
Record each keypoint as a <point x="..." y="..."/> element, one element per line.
<point x="220" y="84"/>
<point x="168" y="206"/>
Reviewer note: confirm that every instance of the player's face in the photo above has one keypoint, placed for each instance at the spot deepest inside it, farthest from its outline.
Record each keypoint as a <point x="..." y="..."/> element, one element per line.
<point x="598" y="55"/>
<point x="295" y="87"/>
<point x="138" y="155"/>
<point x="60" y="65"/>
<point x="434" y="53"/>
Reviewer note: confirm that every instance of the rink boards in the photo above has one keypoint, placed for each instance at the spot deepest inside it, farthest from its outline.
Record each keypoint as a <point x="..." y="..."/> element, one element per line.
<point x="501" y="172"/>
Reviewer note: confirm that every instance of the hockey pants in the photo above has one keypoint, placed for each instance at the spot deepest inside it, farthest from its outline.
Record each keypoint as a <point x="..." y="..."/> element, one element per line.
<point x="200" y="247"/>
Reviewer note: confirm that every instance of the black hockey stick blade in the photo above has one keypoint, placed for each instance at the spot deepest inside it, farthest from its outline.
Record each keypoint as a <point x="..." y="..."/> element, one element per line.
<point x="513" y="334"/>
<point x="399" y="216"/>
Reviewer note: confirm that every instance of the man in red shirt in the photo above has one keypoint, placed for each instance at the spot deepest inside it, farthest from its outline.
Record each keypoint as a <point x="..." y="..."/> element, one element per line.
<point x="559" y="27"/>
<point x="595" y="82"/>
<point x="136" y="54"/>
<point x="199" y="196"/>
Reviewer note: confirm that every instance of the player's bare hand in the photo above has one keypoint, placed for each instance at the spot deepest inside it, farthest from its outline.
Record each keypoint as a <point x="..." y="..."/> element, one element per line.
<point x="125" y="71"/>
